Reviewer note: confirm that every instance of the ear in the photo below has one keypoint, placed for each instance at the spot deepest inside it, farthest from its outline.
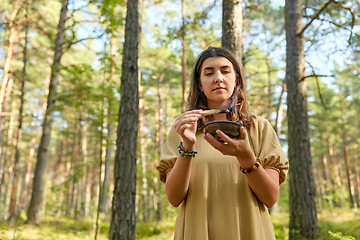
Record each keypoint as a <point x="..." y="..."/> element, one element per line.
<point x="200" y="86"/>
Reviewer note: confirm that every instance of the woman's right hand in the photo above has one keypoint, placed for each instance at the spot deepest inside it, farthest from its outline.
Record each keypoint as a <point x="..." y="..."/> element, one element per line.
<point x="186" y="127"/>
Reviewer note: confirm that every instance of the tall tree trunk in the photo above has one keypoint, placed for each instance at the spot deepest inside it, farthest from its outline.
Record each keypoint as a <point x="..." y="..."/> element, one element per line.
<point x="320" y="189"/>
<point x="346" y="156"/>
<point x="67" y="175"/>
<point x="4" y="120"/>
<point x="279" y="113"/>
<point x="143" y="150"/>
<point x="85" y="191"/>
<point x="105" y="187"/>
<point x="94" y="172"/>
<point x="87" y="178"/>
<point x="325" y="173"/>
<point x="9" y="51"/>
<point x="183" y="57"/>
<point x="123" y="203"/>
<point x="102" y="161"/>
<point x="78" y="169"/>
<point x="57" y="163"/>
<point x="268" y="65"/>
<point x="280" y="109"/>
<point x="6" y="175"/>
<point x="43" y="151"/>
<point x="232" y="27"/>
<point x="160" y="144"/>
<point x="357" y="177"/>
<point x="74" y="174"/>
<point x="29" y="167"/>
<point x="25" y="187"/>
<point x="303" y="216"/>
<point x="18" y="137"/>
<point x="337" y="184"/>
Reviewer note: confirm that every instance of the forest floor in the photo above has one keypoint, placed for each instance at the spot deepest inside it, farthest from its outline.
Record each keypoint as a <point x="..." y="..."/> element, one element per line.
<point x="338" y="224"/>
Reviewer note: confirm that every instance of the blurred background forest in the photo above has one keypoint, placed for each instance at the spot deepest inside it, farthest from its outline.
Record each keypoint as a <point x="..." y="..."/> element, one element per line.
<point x="77" y="184"/>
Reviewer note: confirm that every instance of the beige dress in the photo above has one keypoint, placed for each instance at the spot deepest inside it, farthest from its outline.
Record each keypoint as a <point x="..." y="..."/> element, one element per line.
<point x="220" y="205"/>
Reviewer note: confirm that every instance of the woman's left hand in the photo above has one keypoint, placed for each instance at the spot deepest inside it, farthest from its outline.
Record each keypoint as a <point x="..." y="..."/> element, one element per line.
<point x="237" y="147"/>
<point x="263" y="182"/>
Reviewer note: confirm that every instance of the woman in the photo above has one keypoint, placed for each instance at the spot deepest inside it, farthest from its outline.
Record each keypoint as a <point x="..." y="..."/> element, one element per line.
<point x="222" y="187"/>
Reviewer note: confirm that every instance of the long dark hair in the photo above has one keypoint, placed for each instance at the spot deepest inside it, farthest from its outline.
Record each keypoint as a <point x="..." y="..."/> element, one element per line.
<point x="197" y="99"/>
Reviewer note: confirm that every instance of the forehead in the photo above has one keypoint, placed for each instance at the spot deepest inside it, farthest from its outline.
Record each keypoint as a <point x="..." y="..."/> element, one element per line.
<point x="216" y="62"/>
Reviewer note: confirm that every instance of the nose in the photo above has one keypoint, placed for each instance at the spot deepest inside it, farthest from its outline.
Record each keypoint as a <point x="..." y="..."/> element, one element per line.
<point x="218" y="78"/>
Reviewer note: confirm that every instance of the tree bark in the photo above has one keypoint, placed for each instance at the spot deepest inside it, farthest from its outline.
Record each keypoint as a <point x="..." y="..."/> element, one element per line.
<point x="67" y="175"/>
<point x="105" y="186"/>
<point x="43" y="151"/>
<point x="9" y="52"/>
<point x="160" y="143"/>
<point x="337" y="184"/>
<point x="25" y="187"/>
<point x="279" y="113"/>
<point x="325" y="173"/>
<point x="280" y="109"/>
<point x="27" y="178"/>
<point x="357" y="177"/>
<point x="2" y="122"/>
<point x="123" y="203"/>
<point x="143" y="151"/>
<point x="5" y="179"/>
<point x="303" y="215"/>
<point x="85" y="197"/>
<point x="268" y="65"/>
<point x="232" y="27"/>
<point x="346" y="155"/>
<point x="18" y="135"/>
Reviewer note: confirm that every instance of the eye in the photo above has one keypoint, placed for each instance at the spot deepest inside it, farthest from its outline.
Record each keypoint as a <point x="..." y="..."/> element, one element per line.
<point x="226" y="72"/>
<point x="208" y="74"/>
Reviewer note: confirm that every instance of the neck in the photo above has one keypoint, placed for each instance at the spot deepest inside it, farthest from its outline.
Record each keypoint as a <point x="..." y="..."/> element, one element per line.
<point x="220" y="117"/>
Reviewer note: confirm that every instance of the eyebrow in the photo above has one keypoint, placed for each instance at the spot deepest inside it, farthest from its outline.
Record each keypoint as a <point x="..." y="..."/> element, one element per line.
<point x="211" y="68"/>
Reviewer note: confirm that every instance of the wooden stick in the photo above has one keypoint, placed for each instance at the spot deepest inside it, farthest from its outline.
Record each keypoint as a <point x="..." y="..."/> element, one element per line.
<point x="214" y="111"/>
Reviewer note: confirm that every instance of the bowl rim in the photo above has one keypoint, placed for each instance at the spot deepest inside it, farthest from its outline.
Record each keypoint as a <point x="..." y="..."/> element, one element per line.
<point x="223" y="121"/>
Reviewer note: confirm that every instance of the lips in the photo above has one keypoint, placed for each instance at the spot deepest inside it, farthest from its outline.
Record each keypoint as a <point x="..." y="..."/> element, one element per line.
<point x="218" y="88"/>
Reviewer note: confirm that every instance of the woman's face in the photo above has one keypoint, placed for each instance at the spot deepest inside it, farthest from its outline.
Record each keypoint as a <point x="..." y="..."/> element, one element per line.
<point x="217" y="80"/>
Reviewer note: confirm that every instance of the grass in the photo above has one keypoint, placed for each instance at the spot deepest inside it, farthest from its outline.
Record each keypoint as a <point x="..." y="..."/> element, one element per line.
<point x="333" y="225"/>
<point x="336" y="223"/>
<point x="61" y="228"/>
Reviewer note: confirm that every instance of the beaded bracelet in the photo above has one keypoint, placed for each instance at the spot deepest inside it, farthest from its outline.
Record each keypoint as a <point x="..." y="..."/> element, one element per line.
<point x="252" y="169"/>
<point x="186" y="153"/>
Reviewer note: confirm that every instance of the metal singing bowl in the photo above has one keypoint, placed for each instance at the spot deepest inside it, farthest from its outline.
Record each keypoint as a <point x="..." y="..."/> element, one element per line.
<point x="229" y="128"/>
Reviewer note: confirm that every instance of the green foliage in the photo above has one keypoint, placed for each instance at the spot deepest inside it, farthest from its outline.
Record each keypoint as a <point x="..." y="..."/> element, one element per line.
<point x="339" y="236"/>
<point x="332" y="225"/>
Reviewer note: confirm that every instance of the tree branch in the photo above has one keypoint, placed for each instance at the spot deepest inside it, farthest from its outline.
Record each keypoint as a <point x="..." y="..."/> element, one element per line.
<point x="341" y="26"/>
<point x="81" y="40"/>
<point x="20" y="21"/>
<point x="356" y="66"/>
<point x="315" y="17"/>
<point x="353" y="18"/>
<point x="320" y="95"/>
<point x="318" y="85"/>
<point x="314" y="75"/>
<point x="5" y="20"/>
<point x="341" y="6"/>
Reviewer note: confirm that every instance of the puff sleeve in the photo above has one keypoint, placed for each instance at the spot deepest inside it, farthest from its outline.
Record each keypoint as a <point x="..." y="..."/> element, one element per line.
<point x="267" y="148"/>
<point x="169" y="154"/>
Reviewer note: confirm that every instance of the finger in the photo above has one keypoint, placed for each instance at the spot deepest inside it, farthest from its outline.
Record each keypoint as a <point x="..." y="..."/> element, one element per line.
<point x="213" y="141"/>
<point x="186" y="118"/>
<point x="223" y="136"/>
<point x="243" y="133"/>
